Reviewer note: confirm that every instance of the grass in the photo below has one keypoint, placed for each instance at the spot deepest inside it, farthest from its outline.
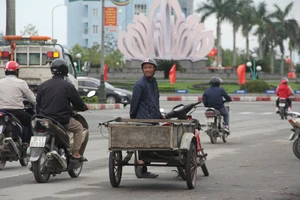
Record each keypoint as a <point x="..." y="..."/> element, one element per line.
<point x="183" y="85"/>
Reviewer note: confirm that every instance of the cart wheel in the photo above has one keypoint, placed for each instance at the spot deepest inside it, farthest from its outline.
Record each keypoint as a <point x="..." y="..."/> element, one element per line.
<point x="191" y="166"/>
<point x="181" y="173"/>
<point x="115" y="168"/>
<point x="204" y="169"/>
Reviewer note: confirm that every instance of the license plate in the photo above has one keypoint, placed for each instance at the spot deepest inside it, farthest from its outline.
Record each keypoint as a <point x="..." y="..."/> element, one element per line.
<point x="37" y="141"/>
<point x="1" y="128"/>
<point x="291" y="136"/>
<point x="210" y="120"/>
<point x="282" y="105"/>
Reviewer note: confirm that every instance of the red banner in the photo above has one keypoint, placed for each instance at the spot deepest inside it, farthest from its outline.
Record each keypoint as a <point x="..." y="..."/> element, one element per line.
<point x="172" y="74"/>
<point x="241" y="72"/>
<point x="110" y="16"/>
<point x="213" y="52"/>
<point x="105" y="72"/>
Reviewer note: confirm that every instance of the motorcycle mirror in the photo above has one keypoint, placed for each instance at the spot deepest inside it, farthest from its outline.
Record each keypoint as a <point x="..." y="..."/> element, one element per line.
<point x="91" y="93"/>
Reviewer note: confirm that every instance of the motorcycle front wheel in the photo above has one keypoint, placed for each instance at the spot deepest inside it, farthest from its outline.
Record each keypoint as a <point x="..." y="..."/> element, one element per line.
<point x="2" y="161"/>
<point x="74" y="173"/>
<point x="296" y="148"/>
<point x="41" y="173"/>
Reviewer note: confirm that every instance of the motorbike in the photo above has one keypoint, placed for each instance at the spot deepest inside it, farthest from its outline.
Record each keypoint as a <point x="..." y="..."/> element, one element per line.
<point x="12" y="147"/>
<point x="295" y="135"/>
<point x="184" y="112"/>
<point x="215" y="124"/>
<point x="51" y="148"/>
<point x="283" y="108"/>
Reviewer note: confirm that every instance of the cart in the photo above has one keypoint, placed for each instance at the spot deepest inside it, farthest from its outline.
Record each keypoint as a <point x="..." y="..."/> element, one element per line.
<point x="158" y="142"/>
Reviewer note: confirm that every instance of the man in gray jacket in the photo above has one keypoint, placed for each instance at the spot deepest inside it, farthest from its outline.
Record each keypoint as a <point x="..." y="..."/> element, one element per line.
<point x="12" y="93"/>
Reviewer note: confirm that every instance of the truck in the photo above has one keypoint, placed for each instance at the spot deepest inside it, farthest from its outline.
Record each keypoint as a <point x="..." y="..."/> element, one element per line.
<point x="34" y="55"/>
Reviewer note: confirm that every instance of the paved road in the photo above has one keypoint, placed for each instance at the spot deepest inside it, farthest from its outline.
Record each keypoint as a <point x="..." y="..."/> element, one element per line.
<point x="257" y="163"/>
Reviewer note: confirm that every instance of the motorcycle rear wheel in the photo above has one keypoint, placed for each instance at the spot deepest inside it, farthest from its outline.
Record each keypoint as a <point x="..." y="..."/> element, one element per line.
<point x="296" y="148"/>
<point x="2" y="161"/>
<point x="213" y="138"/>
<point x="204" y="169"/>
<point x="281" y="113"/>
<point x="41" y="173"/>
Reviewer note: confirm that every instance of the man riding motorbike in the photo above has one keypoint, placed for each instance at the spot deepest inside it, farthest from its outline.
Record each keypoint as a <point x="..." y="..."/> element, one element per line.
<point x="54" y="99"/>
<point x="284" y="91"/>
<point x="213" y="97"/>
<point x="12" y="93"/>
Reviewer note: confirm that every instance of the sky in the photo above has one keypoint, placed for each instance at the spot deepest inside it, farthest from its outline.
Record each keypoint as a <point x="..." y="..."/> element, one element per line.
<point x="39" y="14"/>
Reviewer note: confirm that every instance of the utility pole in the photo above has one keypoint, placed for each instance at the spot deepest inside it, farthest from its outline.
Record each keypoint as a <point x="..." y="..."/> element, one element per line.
<point x="10" y="17"/>
<point x="102" y="91"/>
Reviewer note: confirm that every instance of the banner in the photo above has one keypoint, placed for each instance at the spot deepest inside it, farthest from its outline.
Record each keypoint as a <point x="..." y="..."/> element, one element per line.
<point x="110" y="16"/>
<point x="241" y="72"/>
<point x="213" y="52"/>
<point x="105" y="72"/>
<point x="172" y="74"/>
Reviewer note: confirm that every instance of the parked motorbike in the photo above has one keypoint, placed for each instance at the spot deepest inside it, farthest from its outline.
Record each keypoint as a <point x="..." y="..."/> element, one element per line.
<point x="12" y="147"/>
<point x="215" y="124"/>
<point x="184" y="112"/>
<point x="51" y="148"/>
<point x="283" y="108"/>
<point x="295" y="123"/>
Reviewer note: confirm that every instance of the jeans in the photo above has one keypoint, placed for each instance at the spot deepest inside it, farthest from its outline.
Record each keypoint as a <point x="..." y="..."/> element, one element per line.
<point x="225" y="114"/>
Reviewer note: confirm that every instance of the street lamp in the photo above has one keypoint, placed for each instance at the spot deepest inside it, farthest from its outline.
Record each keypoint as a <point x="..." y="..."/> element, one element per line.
<point x="78" y="56"/>
<point x="52" y="15"/>
<point x="255" y="70"/>
<point x="102" y="92"/>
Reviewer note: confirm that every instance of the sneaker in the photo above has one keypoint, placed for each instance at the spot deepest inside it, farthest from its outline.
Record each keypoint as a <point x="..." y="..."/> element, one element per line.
<point x="277" y="110"/>
<point x="226" y="130"/>
<point x="289" y="109"/>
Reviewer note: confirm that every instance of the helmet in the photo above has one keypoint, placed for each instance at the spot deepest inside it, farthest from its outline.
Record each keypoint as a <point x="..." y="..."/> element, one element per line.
<point x="11" y="66"/>
<point x="149" y="61"/>
<point x="215" y="81"/>
<point x="59" y="67"/>
<point x="284" y="80"/>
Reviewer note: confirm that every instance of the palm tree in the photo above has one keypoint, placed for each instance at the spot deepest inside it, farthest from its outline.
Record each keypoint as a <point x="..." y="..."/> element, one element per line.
<point x="10" y="17"/>
<point x="247" y="19"/>
<point x="261" y="20"/>
<point x="219" y="8"/>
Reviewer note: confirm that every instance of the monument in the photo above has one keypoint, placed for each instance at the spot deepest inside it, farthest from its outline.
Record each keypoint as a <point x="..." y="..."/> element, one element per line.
<point x="166" y="33"/>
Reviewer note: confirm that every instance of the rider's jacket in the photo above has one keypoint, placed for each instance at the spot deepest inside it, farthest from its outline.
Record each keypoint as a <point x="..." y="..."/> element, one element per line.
<point x="145" y="99"/>
<point x="12" y="93"/>
<point x="213" y="97"/>
<point x="54" y="97"/>
<point x="283" y="91"/>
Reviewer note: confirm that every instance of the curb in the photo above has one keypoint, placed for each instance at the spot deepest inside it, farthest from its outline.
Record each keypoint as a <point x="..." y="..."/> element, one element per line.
<point x="104" y="106"/>
<point x="234" y="98"/>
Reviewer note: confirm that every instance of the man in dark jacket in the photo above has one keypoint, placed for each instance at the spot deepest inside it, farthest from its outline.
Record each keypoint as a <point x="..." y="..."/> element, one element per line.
<point x="54" y="99"/>
<point x="213" y="97"/>
<point x="145" y="102"/>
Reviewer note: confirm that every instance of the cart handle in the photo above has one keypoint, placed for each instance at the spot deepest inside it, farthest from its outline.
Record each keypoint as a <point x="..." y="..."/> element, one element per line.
<point x="112" y="120"/>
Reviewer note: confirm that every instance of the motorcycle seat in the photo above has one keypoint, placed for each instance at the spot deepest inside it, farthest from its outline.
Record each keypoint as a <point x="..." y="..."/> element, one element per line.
<point x="215" y="110"/>
<point x="52" y="120"/>
<point x="12" y="116"/>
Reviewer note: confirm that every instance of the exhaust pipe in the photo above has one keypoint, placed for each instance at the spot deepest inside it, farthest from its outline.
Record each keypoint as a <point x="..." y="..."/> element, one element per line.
<point x="49" y="156"/>
<point x="9" y="140"/>
<point x="61" y="159"/>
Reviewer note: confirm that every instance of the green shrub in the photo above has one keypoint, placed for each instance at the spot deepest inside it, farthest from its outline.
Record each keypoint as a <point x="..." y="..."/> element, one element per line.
<point x="93" y="99"/>
<point x="167" y="88"/>
<point x="258" y="86"/>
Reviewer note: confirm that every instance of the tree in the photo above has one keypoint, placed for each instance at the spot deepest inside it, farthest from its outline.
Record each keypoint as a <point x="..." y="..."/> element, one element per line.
<point x="10" y="17"/>
<point x="115" y="59"/>
<point x="166" y="65"/>
<point x="218" y="7"/>
<point x="29" y="30"/>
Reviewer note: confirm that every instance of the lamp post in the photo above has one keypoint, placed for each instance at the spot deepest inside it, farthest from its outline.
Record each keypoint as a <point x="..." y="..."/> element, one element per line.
<point x="255" y="70"/>
<point x="78" y="56"/>
<point x="102" y="92"/>
<point x="52" y="15"/>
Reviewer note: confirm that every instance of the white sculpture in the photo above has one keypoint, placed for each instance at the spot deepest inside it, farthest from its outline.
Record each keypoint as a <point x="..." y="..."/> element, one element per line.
<point x="160" y="36"/>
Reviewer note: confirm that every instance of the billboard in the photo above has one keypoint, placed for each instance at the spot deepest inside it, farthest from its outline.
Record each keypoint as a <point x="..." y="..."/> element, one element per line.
<point x="120" y="2"/>
<point x="110" y="16"/>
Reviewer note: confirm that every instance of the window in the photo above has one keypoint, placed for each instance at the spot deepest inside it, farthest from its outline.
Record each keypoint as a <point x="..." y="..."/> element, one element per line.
<point x="95" y="29"/>
<point x="90" y="84"/>
<point x="95" y="12"/>
<point x="34" y="58"/>
<point x="140" y="8"/>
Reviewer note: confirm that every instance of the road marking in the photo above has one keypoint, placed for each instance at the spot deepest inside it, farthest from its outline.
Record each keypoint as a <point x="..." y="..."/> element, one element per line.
<point x="15" y="175"/>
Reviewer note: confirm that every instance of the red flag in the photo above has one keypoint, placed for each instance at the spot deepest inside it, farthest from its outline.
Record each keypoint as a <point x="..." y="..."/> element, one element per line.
<point x="105" y="72"/>
<point x="241" y="72"/>
<point x="213" y="52"/>
<point x="172" y="74"/>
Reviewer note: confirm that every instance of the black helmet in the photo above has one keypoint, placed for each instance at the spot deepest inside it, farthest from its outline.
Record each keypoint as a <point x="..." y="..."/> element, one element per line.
<point x="59" y="67"/>
<point x="215" y="81"/>
<point x="149" y="61"/>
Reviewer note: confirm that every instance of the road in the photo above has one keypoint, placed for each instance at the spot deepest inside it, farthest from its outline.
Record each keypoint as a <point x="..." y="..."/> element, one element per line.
<point x="257" y="163"/>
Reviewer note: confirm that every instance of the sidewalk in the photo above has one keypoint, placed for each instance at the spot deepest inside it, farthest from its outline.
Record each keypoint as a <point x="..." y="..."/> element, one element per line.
<point x="170" y="97"/>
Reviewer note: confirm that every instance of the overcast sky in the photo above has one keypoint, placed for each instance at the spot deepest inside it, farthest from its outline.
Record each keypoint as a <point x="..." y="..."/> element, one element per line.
<point x="39" y="13"/>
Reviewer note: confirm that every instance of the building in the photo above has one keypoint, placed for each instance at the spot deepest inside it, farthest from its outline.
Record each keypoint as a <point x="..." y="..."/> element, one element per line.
<point x="84" y="19"/>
